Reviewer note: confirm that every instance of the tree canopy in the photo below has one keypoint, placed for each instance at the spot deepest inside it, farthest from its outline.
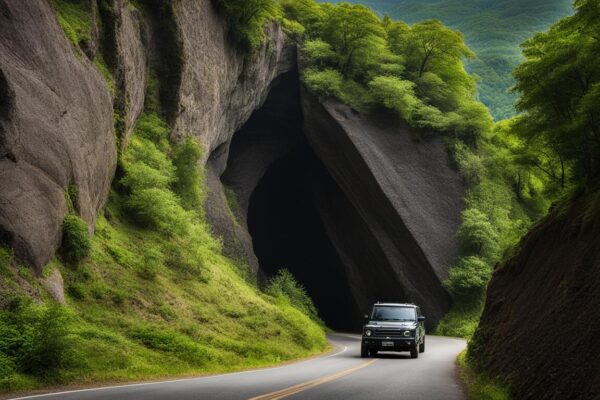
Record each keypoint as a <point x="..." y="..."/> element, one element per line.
<point x="559" y="84"/>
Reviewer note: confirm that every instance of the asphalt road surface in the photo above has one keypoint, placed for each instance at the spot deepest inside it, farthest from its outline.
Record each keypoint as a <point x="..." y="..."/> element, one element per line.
<point x="340" y="375"/>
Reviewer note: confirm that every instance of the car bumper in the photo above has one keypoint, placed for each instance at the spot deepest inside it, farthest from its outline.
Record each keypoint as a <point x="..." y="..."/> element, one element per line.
<point x="383" y="344"/>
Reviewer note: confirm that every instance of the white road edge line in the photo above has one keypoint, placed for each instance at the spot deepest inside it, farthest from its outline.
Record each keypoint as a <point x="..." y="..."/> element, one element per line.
<point x="35" y="396"/>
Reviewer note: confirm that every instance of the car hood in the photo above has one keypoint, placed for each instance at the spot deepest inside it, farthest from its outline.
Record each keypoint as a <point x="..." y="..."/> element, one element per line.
<point x="390" y="324"/>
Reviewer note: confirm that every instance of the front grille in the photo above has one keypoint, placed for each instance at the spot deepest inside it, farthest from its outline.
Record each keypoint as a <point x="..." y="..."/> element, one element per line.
<point x="393" y="333"/>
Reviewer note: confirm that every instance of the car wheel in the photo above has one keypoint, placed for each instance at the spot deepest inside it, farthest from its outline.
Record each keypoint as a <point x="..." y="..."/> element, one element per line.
<point x="414" y="351"/>
<point x="373" y="352"/>
<point x="422" y="346"/>
<point x="364" y="351"/>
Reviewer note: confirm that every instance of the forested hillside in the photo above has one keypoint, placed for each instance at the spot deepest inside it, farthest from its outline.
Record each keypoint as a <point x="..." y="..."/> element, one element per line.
<point x="493" y="29"/>
<point x="552" y="277"/>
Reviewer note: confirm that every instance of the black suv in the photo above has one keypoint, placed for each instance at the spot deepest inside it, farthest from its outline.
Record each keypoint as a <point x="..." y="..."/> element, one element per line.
<point x="393" y="327"/>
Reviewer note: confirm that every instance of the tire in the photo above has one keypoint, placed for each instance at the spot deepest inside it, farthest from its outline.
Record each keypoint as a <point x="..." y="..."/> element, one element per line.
<point x="414" y="351"/>
<point x="422" y="346"/>
<point x="373" y="353"/>
<point x="364" y="351"/>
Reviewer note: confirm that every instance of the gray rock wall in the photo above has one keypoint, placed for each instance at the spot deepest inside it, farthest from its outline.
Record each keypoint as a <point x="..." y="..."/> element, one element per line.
<point x="403" y="196"/>
<point x="56" y="129"/>
<point x="220" y="87"/>
<point x="132" y="57"/>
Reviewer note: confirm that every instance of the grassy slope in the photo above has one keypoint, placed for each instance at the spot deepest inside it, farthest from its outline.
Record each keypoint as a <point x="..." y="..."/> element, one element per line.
<point x="130" y="325"/>
<point x="146" y="303"/>
<point x="493" y="29"/>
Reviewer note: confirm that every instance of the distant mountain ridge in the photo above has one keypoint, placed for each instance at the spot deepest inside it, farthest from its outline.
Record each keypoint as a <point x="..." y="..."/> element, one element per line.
<point x="492" y="28"/>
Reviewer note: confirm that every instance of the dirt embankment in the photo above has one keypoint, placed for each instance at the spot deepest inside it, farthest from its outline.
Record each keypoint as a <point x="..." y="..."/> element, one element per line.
<point x="540" y="330"/>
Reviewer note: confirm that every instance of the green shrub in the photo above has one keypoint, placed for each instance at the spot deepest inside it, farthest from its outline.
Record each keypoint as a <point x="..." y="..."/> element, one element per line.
<point x="35" y="339"/>
<point x="76" y="243"/>
<point x="395" y="94"/>
<point x="139" y="176"/>
<point x="324" y="83"/>
<point x="283" y="284"/>
<point x="150" y="126"/>
<point x="6" y="257"/>
<point x="159" y="209"/>
<point x="468" y="278"/>
<point x="478" y="235"/>
<point x="186" y="159"/>
<point x="318" y="52"/>
<point x="7" y="366"/>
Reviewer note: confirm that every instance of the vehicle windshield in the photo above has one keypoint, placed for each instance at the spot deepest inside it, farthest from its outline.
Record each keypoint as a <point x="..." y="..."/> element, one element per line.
<point x="388" y="313"/>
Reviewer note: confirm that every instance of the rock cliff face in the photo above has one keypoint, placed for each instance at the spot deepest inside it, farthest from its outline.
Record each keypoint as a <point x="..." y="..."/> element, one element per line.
<point x="395" y="228"/>
<point x="360" y="208"/>
<point x="56" y="130"/>
<point x="540" y="326"/>
<point x="56" y="112"/>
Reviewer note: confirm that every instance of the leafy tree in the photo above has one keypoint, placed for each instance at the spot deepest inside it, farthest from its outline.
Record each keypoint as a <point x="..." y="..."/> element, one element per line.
<point x="246" y="20"/>
<point x="355" y="33"/>
<point x="433" y="43"/>
<point x="468" y="279"/>
<point x="478" y="236"/>
<point x="307" y="12"/>
<point x="396" y="94"/>
<point x="319" y="52"/>
<point x="325" y="83"/>
<point x="559" y="83"/>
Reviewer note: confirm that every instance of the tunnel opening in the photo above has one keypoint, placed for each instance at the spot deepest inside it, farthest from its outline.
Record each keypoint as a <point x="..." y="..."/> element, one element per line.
<point x="274" y="173"/>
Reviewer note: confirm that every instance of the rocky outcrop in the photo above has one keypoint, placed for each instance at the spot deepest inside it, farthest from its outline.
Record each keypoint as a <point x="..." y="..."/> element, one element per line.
<point x="130" y="33"/>
<point x="221" y="87"/>
<point x="540" y="327"/>
<point x="396" y="228"/>
<point x="56" y="130"/>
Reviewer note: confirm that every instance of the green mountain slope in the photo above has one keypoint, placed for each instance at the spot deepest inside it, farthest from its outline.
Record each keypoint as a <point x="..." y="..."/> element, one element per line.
<point x="492" y="28"/>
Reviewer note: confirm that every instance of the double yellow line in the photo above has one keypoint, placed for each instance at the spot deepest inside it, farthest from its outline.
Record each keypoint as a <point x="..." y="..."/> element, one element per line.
<point x="280" y="394"/>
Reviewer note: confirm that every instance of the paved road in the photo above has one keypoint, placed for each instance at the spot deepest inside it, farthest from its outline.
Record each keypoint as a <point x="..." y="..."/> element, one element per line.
<point x="341" y="375"/>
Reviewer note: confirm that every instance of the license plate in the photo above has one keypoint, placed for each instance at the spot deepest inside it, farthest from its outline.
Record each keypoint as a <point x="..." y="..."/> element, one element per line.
<point x="387" y="344"/>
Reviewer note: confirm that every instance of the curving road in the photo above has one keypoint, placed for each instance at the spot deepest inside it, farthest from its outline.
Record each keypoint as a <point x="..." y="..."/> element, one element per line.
<point x="340" y="375"/>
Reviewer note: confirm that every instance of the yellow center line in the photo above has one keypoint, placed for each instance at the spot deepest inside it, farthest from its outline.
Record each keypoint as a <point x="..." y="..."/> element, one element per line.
<point x="280" y="394"/>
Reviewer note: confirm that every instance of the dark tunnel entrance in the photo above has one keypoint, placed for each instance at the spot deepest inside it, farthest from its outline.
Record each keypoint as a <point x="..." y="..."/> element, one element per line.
<point x="282" y="210"/>
<point x="287" y="232"/>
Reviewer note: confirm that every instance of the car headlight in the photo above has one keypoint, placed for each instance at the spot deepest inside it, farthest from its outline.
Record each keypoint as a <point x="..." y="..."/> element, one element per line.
<point x="407" y="333"/>
<point x="368" y="332"/>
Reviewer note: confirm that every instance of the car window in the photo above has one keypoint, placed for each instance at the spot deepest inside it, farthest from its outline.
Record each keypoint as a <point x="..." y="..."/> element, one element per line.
<point x="388" y="313"/>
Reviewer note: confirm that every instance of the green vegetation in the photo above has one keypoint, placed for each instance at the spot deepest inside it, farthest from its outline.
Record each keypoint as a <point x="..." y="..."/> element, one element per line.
<point x="155" y="296"/>
<point x="151" y="293"/>
<point x="493" y="30"/>
<point x="75" y="18"/>
<point x="479" y="387"/>
<point x="246" y="20"/>
<point x="559" y="83"/>
<point x="75" y="244"/>
<point x="368" y="62"/>
<point x="284" y="286"/>
<point x="34" y="340"/>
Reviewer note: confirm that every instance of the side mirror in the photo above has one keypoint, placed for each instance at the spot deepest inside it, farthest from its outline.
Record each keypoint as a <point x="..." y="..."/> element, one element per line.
<point x="366" y="317"/>
<point x="421" y="318"/>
